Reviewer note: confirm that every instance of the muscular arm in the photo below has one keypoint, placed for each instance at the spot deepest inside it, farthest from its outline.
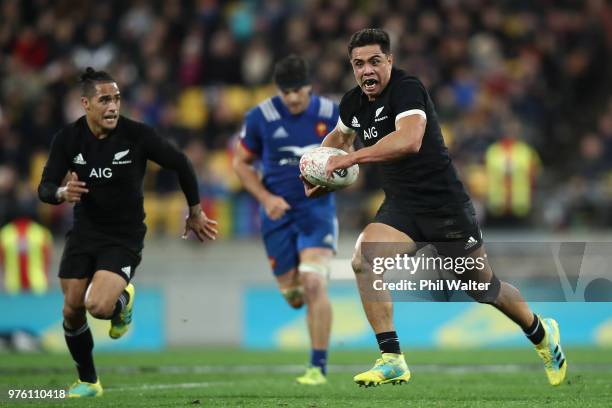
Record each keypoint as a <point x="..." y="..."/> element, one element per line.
<point x="405" y="140"/>
<point x="340" y="140"/>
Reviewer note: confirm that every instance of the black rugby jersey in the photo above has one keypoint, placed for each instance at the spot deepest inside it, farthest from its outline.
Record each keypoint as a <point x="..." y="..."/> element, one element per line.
<point x="113" y="169"/>
<point x="425" y="180"/>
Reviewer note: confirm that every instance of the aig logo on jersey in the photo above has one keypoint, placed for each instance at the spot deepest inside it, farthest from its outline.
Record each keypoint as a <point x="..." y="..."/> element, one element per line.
<point x="370" y="133"/>
<point x="100" y="172"/>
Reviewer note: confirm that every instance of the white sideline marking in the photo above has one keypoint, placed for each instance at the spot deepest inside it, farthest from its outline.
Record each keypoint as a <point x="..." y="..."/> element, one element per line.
<point x="348" y="368"/>
<point x="344" y="368"/>
<point x="206" y="384"/>
<point x="299" y="368"/>
<point x="148" y="387"/>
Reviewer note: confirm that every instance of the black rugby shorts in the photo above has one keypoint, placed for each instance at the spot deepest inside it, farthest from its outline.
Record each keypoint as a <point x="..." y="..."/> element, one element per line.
<point x="453" y="230"/>
<point x="88" y="252"/>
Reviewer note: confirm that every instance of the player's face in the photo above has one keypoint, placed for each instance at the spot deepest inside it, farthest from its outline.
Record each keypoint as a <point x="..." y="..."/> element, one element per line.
<point x="102" y="108"/>
<point x="296" y="100"/>
<point x="372" y="69"/>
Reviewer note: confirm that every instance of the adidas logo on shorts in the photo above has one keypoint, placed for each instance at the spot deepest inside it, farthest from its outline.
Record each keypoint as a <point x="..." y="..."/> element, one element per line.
<point x="127" y="270"/>
<point x="470" y="243"/>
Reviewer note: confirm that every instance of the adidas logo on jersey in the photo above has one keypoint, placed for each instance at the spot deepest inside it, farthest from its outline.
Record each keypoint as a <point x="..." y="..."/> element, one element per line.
<point x="355" y="122"/>
<point x="470" y="243"/>
<point x="78" y="159"/>
<point x="280" y="133"/>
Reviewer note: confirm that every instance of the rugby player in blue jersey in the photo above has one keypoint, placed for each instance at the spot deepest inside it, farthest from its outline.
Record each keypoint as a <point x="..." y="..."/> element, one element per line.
<point x="299" y="234"/>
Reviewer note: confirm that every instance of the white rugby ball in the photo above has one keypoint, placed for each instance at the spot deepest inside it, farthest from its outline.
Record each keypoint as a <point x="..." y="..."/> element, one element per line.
<point x="312" y="167"/>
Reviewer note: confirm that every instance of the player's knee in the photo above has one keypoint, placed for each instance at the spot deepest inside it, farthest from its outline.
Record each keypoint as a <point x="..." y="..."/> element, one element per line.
<point x="361" y="262"/>
<point x="490" y="295"/>
<point x="294" y="296"/>
<point x="72" y="313"/>
<point x="314" y="286"/>
<point x="99" y="309"/>
<point x="357" y="262"/>
<point x="313" y="276"/>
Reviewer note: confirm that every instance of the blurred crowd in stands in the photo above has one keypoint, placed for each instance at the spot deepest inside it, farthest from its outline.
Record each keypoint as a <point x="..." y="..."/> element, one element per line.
<point x="522" y="88"/>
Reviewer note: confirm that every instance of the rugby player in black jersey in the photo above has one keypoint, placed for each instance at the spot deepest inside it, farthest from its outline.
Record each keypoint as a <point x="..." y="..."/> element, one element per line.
<point x="104" y="156"/>
<point x="425" y="201"/>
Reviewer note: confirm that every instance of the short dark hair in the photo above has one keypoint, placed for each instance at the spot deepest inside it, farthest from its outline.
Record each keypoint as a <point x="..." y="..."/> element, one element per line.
<point x="90" y="78"/>
<point x="370" y="36"/>
<point x="291" y="72"/>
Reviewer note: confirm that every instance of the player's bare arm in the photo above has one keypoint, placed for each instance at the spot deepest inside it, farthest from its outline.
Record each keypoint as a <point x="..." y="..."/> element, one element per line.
<point x="405" y="140"/>
<point x="339" y="139"/>
<point x="275" y="206"/>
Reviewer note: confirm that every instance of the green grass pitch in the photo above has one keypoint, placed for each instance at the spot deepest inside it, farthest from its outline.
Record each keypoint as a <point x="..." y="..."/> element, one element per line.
<point x="236" y="378"/>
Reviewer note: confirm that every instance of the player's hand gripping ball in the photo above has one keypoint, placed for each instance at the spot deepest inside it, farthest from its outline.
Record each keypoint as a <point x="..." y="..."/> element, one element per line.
<point x="312" y="167"/>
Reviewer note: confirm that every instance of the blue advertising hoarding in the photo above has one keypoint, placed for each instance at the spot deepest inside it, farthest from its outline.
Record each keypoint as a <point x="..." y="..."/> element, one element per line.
<point x="41" y="316"/>
<point x="270" y="323"/>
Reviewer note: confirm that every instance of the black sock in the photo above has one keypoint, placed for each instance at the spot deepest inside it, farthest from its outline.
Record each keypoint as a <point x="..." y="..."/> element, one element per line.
<point x="80" y="343"/>
<point x="388" y="342"/>
<point x="122" y="301"/>
<point x="535" y="332"/>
